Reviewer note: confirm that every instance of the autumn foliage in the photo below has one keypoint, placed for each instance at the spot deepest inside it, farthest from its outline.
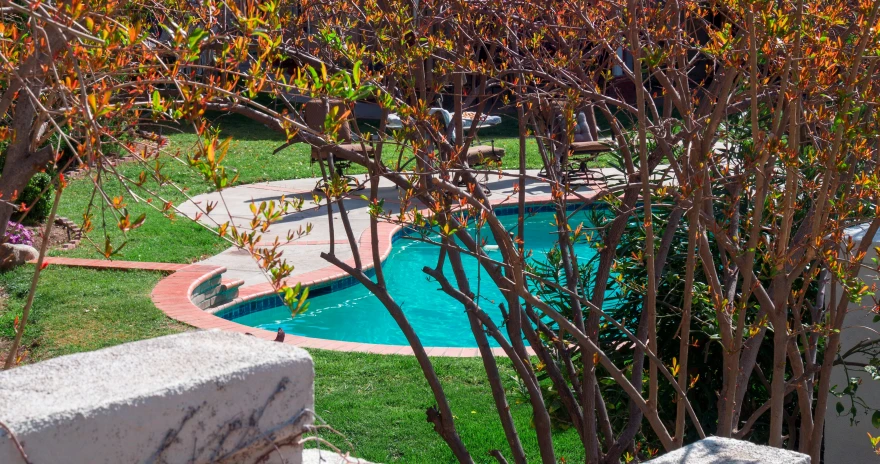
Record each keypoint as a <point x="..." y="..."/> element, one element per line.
<point x="744" y="131"/>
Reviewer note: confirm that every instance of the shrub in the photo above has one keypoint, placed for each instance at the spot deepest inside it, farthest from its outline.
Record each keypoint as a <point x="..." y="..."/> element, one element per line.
<point x="30" y="197"/>
<point x="18" y="234"/>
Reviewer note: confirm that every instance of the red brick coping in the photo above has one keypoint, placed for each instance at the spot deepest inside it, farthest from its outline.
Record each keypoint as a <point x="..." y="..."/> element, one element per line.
<point x="119" y="265"/>
<point x="172" y="296"/>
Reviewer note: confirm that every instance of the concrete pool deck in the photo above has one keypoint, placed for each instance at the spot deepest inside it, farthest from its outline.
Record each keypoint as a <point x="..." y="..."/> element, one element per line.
<point x="173" y="294"/>
<point x="305" y="253"/>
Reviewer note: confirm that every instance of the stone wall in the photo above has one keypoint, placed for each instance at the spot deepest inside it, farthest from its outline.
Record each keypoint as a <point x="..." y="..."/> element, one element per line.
<point x="717" y="450"/>
<point x="198" y="397"/>
<point x="845" y="442"/>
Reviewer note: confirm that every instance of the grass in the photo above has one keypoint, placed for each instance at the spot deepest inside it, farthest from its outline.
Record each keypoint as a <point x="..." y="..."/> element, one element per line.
<point x="79" y="309"/>
<point x="251" y="156"/>
<point x="377" y="402"/>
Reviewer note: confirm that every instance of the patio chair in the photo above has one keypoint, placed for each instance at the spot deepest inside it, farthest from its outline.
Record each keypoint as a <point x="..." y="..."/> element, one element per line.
<point x="481" y="156"/>
<point x="315" y="113"/>
<point x="582" y="153"/>
<point x="477" y="155"/>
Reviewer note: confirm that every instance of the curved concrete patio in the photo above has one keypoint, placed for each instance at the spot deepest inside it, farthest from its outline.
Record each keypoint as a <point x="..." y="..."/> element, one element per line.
<point x="305" y="253"/>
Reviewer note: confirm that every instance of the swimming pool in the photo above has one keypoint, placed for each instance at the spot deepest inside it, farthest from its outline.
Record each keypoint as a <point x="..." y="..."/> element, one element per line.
<point x="353" y="314"/>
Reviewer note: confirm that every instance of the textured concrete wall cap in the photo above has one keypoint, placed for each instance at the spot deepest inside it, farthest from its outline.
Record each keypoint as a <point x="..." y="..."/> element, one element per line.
<point x="717" y="450"/>
<point x="192" y="397"/>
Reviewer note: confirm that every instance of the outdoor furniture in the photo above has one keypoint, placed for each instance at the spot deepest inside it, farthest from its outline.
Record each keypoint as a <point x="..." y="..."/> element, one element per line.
<point x="394" y="122"/>
<point x="315" y="116"/>
<point x="477" y="155"/>
<point x="467" y="120"/>
<point x="579" y="155"/>
<point x="482" y="155"/>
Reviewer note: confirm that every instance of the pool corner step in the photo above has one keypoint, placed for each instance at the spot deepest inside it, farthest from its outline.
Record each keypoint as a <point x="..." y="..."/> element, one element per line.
<point x="228" y="291"/>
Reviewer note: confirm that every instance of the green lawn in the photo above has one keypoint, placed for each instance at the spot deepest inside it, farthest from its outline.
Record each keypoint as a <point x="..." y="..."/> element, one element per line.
<point x="377" y="402"/>
<point x="251" y="155"/>
<point x="81" y="309"/>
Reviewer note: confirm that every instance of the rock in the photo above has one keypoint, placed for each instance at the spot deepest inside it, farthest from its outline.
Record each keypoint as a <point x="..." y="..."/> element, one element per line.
<point x="315" y="456"/>
<point x="717" y="450"/>
<point x="197" y="397"/>
<point x="12" y="255"/>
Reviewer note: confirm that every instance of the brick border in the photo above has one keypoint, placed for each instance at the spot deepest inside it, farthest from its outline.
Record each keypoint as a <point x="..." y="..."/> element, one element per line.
<point x="118" y="265"/>
<point x="73" y="231"/>
<point x="173" y="296"/>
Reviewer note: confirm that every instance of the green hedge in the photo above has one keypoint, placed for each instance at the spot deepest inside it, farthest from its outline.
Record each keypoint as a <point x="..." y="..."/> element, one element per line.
<point x="40" y="206"/>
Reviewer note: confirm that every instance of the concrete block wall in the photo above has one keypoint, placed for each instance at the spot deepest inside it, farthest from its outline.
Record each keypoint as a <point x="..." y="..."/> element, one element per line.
<point x="205" y="293"/>
<point x="196" y="397"/>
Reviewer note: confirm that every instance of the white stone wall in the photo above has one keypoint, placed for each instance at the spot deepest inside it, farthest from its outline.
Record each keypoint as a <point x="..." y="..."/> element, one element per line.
<point x="845" y="443"/>
<point x="717" y="450"/>
<point x="197" y="397"/>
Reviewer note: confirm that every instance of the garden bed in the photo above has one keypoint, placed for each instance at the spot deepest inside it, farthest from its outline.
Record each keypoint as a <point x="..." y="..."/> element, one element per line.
<point x="65" y="234"/>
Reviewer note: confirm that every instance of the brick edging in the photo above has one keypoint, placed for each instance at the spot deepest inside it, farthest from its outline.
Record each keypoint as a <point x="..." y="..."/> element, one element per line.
<point x="172" y="296"/>
<point x="73" y="231"/>
<point x="117" y="265"/>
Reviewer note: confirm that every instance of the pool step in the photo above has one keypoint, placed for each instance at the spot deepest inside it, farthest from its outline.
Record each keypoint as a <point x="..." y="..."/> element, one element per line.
<point x="215" y="291"/>
<point x="228" y="291"/>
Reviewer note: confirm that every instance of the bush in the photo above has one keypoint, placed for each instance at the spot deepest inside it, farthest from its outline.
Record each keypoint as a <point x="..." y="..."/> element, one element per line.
<point x="40" y="206"/>
<point x="18" y="234"/>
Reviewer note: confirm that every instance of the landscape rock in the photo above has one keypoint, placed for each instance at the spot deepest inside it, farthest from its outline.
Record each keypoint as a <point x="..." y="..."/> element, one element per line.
<point x="12" y="255"/>
<point x="315" y="456"/>
<point x="717" y="450"/>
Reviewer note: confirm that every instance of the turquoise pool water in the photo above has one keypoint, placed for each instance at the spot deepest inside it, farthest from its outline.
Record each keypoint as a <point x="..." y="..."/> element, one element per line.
<point x="353" y="314"/>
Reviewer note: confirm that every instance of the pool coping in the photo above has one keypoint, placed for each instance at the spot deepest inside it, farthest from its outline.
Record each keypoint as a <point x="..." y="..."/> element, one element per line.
<point x="173" y="294"/>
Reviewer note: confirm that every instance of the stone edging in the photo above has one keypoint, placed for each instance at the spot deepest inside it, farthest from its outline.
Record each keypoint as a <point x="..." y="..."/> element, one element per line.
<point x="173" y="296"/>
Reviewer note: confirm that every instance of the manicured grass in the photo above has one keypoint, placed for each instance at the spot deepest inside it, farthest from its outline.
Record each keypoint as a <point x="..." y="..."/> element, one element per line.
<point x="377" y="402"/>
<point x="251" y="156"/>
<point x="79" y="309"/>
